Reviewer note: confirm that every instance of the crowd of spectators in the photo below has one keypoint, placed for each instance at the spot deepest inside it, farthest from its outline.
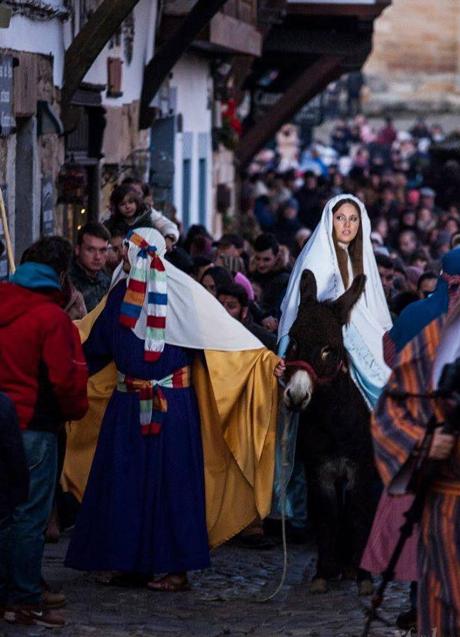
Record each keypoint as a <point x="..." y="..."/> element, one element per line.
<point x="248" y="269"/>
<point x="389" y="170"/>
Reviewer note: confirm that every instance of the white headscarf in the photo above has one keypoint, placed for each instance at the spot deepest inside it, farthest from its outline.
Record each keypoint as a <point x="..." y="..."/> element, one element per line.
<point x="370" y="317"/>
<point x="195" y="319"/>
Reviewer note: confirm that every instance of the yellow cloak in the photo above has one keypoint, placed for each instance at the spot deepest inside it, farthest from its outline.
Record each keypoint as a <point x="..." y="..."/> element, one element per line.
<point x="238" y="401"/>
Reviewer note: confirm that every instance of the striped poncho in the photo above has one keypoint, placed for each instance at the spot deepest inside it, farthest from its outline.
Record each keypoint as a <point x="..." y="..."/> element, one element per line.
<point x="398" y="427"/>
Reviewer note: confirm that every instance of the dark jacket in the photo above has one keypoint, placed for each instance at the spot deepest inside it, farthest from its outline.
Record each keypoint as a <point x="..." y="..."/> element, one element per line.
<point x="42" y="367"/>
<point x="14" y="473"/>
<point x="267" y="338"/>
<point x="92" y="288"/>
<point x="149" y="218"/>
<point x="285" y="231"/>
<point x="309" y="207"/>
<point x="273" y="286"/>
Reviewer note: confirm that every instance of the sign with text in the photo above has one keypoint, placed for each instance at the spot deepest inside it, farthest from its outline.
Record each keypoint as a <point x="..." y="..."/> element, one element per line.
<point x="47" y="206"/>
<point x="3" y="257"/>
<point x="7" y="121"/>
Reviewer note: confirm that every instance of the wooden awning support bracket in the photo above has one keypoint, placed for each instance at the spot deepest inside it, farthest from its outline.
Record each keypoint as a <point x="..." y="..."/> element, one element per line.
<point x="169" y="53"/>
<point x="310" y="82"/>
<point x="90" y="41"/>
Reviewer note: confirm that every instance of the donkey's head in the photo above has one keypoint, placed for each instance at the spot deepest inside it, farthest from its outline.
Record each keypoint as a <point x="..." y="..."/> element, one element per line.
<point x="316" y="352"/>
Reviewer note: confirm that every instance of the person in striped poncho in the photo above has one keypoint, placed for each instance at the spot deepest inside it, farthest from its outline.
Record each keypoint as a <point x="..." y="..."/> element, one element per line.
<point x="399" y="430"/>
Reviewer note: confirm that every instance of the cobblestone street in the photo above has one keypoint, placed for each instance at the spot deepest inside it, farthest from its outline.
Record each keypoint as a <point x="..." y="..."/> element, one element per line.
<point x="223" y="601"/>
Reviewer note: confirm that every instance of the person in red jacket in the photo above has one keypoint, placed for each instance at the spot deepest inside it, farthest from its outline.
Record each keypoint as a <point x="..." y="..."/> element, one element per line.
<point x="43" y="371"/>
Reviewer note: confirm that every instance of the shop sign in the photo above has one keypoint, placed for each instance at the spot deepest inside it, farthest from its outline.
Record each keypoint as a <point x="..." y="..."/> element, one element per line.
<point x="7" y="121"/>
<point x="4" y="258"/>
<point x="47" y="206"/>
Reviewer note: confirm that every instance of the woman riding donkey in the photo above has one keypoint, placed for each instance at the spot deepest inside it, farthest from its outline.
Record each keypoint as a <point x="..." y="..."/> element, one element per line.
<point x="339" y="250"/>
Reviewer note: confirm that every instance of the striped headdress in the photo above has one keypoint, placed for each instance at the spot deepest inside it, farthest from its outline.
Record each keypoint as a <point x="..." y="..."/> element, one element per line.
<point x="146" y="293"/>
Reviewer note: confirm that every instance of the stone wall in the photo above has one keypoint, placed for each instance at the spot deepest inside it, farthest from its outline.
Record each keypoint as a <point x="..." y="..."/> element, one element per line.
<point x="27" y="157"/>
<point x="415" y="62"/>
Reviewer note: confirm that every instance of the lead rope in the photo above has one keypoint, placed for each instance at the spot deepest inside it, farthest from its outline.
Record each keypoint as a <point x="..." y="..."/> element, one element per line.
<point x="284" y="467"/>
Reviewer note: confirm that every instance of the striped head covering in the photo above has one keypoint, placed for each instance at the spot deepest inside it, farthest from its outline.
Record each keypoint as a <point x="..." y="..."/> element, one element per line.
<point x="145" y="303"/>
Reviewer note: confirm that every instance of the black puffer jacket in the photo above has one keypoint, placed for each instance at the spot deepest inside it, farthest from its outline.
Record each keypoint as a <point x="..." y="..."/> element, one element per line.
<point x="14" y="473"/>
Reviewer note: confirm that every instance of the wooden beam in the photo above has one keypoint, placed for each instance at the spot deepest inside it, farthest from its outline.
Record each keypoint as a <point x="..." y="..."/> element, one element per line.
<point x="309" y="83"/>
<point x="169" y="53"/>
<point x="294" y="41"/>
<point x="235" y="35"/>
<point x="358" y="10"/>
<point x="90" y="41"/>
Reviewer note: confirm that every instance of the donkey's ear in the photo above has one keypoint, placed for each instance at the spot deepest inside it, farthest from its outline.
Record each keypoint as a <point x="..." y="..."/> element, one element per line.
<point x="345" y="303"/>
<point x="308" y="289"/>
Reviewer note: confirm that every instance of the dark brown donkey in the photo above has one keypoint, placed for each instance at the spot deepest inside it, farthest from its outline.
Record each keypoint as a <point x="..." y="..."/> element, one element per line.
<point x="334" y="434"/>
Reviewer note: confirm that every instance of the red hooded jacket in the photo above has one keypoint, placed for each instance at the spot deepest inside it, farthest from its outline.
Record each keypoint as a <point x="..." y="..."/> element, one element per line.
<point x="42" y="367"/>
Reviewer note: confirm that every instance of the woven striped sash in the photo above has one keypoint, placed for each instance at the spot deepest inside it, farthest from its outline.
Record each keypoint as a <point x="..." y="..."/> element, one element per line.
<point x="152" y="400"/>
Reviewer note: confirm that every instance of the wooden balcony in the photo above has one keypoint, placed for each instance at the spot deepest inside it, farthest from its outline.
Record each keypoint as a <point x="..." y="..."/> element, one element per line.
<point x="315" y="43"/>
<point x="234" y="29"/>
<point x="244" y="10"/>
<point x="231" y="35"/>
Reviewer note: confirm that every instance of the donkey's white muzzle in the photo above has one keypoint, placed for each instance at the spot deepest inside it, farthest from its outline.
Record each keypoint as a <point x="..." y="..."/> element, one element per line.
<point x="298" y="391"/>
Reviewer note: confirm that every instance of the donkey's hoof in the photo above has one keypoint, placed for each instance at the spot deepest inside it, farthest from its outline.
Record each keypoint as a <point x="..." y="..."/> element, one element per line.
<point x="365" y="587"/>
<point x="318" y="586"/>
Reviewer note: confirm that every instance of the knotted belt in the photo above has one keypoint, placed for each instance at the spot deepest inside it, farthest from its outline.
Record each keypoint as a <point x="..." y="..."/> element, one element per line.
<point x="152" y="400"/>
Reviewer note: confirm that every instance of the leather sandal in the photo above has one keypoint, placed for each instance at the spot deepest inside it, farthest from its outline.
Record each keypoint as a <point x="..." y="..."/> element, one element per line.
<point x="170" y="584"/>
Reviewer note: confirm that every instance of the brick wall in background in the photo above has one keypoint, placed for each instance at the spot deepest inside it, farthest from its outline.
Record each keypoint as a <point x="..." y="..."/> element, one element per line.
<point x="416" y="55"/>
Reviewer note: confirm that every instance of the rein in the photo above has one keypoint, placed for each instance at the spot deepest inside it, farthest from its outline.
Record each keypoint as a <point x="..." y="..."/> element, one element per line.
<point x="316" y="378"/>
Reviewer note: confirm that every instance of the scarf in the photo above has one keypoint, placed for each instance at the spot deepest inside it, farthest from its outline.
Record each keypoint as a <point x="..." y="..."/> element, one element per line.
<point x="146" y="282"/>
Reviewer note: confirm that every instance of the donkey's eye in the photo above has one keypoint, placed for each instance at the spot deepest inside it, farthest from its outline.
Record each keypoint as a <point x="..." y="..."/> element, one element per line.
<point x="325" y="353"/>
<point x="292" y="347"/>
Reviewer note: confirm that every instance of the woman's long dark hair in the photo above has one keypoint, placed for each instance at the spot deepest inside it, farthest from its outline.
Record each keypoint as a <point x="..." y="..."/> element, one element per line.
<point x="355" y="249"/>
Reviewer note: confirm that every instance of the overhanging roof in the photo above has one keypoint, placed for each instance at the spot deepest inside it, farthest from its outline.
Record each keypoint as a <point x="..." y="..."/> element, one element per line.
<point x="315" y="43"/>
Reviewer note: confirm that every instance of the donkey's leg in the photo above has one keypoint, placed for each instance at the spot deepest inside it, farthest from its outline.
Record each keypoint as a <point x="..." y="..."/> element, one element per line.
<point x="325" y="517"/>
<point x="361" y="507"/>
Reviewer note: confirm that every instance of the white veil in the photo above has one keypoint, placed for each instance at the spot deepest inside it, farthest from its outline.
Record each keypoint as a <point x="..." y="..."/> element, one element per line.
<point x="370" y="317"/>
<point x="194" y="318"/>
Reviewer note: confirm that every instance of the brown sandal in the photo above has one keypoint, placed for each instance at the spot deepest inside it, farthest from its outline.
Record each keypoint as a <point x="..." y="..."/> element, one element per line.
<point x="170" y="584"/>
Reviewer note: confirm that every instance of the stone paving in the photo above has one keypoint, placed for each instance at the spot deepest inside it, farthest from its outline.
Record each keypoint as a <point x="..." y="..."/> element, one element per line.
<point x="224" y="600"/>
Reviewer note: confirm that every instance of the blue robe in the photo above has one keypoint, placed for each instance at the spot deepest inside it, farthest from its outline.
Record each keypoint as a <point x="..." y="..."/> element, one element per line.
<point x="144" y="508"/>
<point x="416" y="316"/>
